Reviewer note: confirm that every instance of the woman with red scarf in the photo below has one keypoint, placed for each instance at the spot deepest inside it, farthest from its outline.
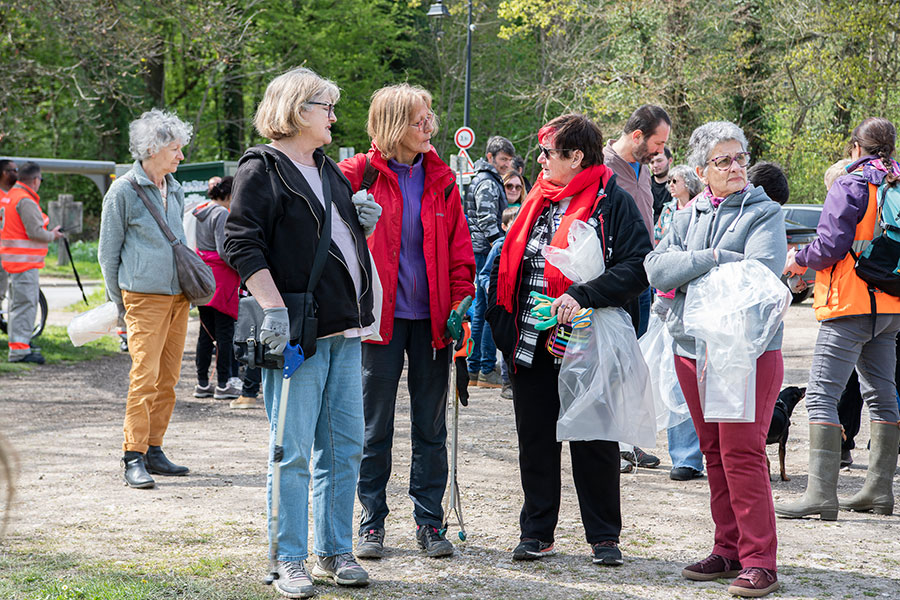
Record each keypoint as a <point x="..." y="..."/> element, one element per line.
<point x="573" y="185"/>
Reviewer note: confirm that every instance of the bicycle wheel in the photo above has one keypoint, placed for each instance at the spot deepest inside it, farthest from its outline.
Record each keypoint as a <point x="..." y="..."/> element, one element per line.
<point x="40" y="317"/>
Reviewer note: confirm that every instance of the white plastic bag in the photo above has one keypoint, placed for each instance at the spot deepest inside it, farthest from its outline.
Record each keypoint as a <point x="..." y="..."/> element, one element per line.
<point x="93" y="324"/>
<point x="377" y="303"/>
<point x="604" y="388"/>
<point x="734" y="312"/>
<point x="657" y="347"/>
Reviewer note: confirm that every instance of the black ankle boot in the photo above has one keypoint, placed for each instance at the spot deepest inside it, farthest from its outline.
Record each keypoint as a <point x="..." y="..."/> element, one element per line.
<point x="136" y="475"/>
<point x="159" y="464"/>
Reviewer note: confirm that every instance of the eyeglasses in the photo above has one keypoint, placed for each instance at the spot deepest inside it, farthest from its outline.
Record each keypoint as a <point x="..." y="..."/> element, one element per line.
<point x="428" y="121"/>
<point x="723" y="163"/>
<point x="546" y="151"/>
<point x="329" y="107"/>
<point x="11" y="170"/>
<point x="513" y="187"/>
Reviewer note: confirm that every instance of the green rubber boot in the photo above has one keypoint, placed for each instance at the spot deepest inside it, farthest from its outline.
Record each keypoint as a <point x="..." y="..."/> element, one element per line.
<point x="821" y="488"/>
<point x="877" y="494"/>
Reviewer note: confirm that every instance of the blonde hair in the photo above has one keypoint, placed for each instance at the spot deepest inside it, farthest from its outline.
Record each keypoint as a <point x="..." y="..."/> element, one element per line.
<point x="835" y="171"/>
<point x="390" y="112"/>
<point x="278" y="114"/>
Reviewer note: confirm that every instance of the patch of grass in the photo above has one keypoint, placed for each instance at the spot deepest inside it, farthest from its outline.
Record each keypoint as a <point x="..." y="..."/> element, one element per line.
<point x="30" y="576"/>
<point x="95" y="299"/>
<point x="57" y="348"/>
<point x="85" y="255"/>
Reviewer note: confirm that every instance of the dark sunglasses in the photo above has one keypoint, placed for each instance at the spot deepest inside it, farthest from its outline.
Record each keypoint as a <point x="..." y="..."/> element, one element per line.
<point x="546" y="151"/>
<point x="512" y="186"/>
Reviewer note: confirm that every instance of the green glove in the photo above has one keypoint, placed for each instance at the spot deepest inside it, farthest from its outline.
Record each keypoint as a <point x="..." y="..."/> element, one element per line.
<point x="455" y="320"/>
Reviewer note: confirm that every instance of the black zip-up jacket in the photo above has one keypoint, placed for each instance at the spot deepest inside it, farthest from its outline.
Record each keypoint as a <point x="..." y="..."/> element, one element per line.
<point x="275" y="223"/>
<point x="626" y="244"/>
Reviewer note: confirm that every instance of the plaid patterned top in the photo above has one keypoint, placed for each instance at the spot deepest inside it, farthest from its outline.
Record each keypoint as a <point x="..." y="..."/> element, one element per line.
<point x="533" y="280"/>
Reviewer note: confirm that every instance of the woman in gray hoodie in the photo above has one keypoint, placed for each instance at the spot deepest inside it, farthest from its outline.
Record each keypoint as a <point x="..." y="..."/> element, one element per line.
<point x="731" y="220"/>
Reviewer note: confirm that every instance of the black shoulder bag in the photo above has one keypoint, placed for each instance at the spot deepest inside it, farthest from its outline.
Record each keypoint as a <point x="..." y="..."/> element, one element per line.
<point x="196" y="279"/>
<point x="301" y="308"/>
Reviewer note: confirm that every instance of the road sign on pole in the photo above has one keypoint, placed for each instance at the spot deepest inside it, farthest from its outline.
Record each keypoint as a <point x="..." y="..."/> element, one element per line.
<point x="466" y="166"/>
<point x="464" y="138"/>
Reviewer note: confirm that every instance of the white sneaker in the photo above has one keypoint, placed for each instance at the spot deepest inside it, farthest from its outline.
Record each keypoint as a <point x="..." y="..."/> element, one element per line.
<point x="235" y="382"/>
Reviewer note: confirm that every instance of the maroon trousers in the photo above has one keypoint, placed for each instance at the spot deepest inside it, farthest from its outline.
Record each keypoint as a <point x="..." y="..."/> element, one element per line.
<point x="740" y="492"/>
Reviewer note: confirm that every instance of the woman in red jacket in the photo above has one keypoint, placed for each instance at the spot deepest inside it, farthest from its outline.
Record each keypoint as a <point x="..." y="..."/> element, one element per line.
<point x="423" y="255"/>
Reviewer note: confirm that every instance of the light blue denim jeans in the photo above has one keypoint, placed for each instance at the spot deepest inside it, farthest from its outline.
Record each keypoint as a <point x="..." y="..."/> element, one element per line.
<point x="684" y="446"/>
<point x="324" y="421"/>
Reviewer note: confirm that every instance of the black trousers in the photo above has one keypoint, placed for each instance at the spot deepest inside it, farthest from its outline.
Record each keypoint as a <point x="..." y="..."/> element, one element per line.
<point x="427" y="379"/>
<point x="221" y="326"/>
<point x="595" y="464"/>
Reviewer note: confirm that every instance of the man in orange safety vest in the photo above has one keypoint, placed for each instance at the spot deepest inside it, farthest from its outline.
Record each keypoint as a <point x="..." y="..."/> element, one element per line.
<point x="23" y="246"/>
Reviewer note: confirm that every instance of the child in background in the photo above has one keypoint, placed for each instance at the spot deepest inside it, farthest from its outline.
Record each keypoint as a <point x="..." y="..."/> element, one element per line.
<point x="484" y="278"/>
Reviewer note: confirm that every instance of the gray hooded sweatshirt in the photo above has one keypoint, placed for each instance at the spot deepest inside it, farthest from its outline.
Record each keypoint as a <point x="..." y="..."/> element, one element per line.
<point x="746" y="225"/>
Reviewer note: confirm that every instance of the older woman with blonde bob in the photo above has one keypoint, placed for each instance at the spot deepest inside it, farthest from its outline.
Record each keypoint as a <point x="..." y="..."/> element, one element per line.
<point x="280" y="196"/>
<point x="138" y="266"/>
<point x="423" y="254"/>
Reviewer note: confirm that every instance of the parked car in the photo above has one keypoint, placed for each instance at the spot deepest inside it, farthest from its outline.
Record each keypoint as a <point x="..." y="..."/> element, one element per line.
<point x="805" y="214"/>
<point x="800" y="221"/>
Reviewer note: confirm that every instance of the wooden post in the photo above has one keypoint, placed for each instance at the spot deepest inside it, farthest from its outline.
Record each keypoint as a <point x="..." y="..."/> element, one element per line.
<point x="68" y="214"/>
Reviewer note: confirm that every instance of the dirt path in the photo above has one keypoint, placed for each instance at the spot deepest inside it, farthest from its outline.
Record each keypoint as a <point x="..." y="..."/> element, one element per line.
<point x="65" y="422"/>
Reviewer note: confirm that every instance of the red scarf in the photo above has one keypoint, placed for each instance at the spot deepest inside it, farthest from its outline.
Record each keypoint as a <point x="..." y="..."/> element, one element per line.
<point x="583" y="191"/>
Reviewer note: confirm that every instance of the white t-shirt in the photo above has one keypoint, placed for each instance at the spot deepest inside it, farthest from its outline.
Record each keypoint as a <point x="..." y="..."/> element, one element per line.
<point x="342" y="237"/>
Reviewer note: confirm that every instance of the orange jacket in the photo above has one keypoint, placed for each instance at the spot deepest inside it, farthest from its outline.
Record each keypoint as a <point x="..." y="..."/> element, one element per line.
<point x="18" y="253"/>
<point x="839" y="292"/>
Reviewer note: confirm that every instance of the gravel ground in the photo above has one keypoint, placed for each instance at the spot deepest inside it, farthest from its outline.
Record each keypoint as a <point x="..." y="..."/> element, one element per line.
<point x="65" y="422"/>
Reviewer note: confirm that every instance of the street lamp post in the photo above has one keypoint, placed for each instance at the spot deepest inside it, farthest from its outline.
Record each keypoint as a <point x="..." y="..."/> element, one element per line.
<point x="438" y="11"/>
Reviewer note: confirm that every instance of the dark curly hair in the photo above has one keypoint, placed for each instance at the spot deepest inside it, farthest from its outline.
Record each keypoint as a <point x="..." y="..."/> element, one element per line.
<point x="221" y="190"/>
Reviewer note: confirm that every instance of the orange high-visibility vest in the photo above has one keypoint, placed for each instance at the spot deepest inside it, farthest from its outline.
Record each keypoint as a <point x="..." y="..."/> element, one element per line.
<point x="17" y="252"/>
<point x="839" y="291"/>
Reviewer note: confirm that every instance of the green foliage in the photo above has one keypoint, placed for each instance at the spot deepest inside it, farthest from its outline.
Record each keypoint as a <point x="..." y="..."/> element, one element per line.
<point x="85" y="256"/>
<point x="796" y="75"/>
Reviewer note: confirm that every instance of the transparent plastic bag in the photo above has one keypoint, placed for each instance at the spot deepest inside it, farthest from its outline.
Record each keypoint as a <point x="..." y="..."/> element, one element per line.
<point x="93" y="324"/>
<point x="668" y="400"/>
<point x="604" y="388"/>
<point x="582" y="260"/>
<point x="733" y="312"/>
<point x="604" y="385"/>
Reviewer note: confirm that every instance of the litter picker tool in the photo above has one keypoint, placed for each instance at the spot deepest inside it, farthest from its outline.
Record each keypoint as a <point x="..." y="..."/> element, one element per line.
<point x="65" y="241"/>
<point x="462" y="348"/>
<point x="293" y="358"/>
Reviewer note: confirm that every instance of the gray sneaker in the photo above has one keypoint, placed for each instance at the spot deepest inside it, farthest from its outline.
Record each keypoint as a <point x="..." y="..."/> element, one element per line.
<point x="370" y="544"/>
<point x="506" y="393"/>
<point x="229" y="392"/>
<point x="293" y="580"/>
<point x="343" y="568"/>
<point x="490" y="380"/>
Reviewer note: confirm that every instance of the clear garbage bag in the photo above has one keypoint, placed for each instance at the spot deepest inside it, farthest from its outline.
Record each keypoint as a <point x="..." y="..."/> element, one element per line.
<point x="604" y="387"/>
<point x="657" y="347"/>
<point x="733" y="312"/>
<point x="93" y="324"/>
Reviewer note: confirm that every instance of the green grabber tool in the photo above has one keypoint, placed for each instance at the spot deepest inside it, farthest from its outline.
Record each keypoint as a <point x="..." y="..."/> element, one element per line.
<point x="455" y="329"/>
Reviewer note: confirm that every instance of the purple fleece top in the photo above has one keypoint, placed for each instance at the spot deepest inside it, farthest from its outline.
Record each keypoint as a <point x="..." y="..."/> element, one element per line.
<point x="845" y="206"/>
<point x="412" y="278"/>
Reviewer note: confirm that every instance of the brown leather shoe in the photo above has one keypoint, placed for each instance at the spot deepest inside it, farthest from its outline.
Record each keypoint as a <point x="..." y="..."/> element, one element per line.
<point x="754" y="582"/>
<point x="712" y="567"/>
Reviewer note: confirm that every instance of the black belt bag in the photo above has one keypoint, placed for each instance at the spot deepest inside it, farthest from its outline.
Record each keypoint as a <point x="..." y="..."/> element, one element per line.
<point x="304" y="325"/>
<point x="301" y="308"/>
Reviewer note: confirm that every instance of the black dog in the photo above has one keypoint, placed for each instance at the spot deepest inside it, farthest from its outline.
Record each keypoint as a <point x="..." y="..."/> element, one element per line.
<point x="781" y="422"/>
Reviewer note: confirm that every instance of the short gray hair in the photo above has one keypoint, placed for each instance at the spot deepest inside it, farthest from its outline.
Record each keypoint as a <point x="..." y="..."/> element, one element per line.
<point x="498" y="144"/>
<point x="689" y="176"/>
<point x="154" y="130"/>
<point x="708" y="135"/>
